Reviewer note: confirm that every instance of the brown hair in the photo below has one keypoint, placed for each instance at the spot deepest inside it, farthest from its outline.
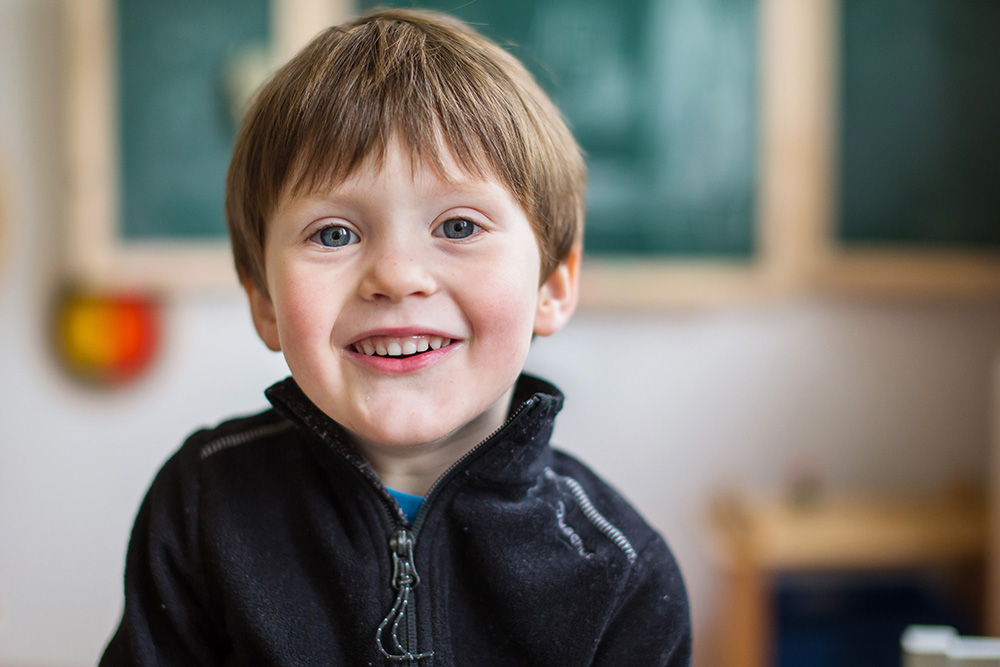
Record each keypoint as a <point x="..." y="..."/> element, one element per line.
<point x="422" y="77"/>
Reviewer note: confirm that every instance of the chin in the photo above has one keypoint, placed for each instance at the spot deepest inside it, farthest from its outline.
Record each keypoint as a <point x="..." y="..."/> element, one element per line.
<point x="405" y="437"/>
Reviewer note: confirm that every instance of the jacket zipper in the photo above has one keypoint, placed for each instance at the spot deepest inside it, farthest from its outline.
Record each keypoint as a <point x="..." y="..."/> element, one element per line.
<point x="449" y="473"/>
<point x="403" y="616"/>
<point x="400" y="625"/>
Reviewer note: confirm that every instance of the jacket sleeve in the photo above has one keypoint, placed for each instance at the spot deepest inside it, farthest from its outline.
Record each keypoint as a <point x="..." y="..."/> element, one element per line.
<point x="166" y="620"/>
<point x="652" y="626"/>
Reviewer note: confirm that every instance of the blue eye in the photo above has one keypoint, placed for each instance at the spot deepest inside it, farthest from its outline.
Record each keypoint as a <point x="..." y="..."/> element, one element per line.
<point x="335" y="236"/>
<point x="458" y="228"/>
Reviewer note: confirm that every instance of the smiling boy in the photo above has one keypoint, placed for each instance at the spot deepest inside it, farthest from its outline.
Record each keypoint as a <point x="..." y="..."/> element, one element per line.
<point x="406" y="210"/>
<point x="405" y="302"/>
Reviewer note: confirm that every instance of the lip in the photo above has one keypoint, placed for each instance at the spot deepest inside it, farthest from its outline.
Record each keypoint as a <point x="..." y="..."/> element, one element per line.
<point x="401" y="365"/>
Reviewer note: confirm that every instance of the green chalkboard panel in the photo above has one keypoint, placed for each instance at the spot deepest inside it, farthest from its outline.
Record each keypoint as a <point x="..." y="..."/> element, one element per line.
<point x="176" y="130"/>
<point x="920" y="123"/>
<point x="662" y="95"/>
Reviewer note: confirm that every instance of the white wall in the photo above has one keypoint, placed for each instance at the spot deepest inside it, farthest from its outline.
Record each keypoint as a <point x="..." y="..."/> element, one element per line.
<point x="668" y="406"/>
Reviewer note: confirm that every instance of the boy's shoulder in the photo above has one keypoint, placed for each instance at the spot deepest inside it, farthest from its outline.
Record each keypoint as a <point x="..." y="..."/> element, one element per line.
<point x="258" y="428"/>
<point x="257" y="437"/>
<point x="241" y="463"/>
<point x="600" y="500"/>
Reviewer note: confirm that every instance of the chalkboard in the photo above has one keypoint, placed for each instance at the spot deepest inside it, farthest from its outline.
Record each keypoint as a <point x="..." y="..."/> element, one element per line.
<point x="176" y="129"/>
<point x="662" y="95"/>
<point x="920" y="123"/>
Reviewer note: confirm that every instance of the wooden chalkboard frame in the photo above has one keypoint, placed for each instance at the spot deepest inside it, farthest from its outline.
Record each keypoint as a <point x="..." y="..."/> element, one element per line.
<point x="837" y="267"/>
<point x="97" y="253"/>
<point x="793" y="177"/>
<point x="4" y="221"/>
<point x="793" y="185"/>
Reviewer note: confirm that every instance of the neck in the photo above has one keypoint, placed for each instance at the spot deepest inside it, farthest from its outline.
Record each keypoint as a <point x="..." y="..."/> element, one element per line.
<point x="414" y="469"/>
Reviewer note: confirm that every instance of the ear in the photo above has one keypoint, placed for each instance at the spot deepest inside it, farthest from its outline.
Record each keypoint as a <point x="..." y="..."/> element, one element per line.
<point x="558" y="294"/>
<point x="264" y="318"/>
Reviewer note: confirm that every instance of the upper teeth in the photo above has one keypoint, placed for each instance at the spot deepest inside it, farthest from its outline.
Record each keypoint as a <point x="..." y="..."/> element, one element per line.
<point x="387" y="346"/>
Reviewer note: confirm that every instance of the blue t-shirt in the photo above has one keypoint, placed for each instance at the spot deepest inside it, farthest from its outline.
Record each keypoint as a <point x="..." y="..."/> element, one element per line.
<point x="409" y="503"/>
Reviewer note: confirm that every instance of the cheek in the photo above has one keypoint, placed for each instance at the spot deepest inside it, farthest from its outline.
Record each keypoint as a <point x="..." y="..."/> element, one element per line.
<point x="505" y="313"/>
<point x="300" y="311"/>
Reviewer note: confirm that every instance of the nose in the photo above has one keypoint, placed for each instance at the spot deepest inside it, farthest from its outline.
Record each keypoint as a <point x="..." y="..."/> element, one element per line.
<point x="394" y="274"/>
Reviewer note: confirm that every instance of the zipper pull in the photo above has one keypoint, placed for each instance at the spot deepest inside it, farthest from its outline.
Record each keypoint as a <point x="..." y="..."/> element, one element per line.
<point x="403" y="613"/>
<point x="404" y="570"/>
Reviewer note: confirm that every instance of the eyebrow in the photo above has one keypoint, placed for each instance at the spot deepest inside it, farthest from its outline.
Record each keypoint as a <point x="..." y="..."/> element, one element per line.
<point x="485" y="195"/>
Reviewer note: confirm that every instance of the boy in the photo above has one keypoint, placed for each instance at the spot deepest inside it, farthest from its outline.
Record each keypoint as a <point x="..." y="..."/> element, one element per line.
<point x="405" y="206"/>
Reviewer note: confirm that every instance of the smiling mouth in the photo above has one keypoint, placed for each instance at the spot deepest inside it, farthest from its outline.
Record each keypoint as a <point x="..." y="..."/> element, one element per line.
<point x="394" y="346"/>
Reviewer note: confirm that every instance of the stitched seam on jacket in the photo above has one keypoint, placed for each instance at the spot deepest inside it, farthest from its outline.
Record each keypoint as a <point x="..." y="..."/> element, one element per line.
<point x="593" y="515"/>
<point x="236" y="439"/>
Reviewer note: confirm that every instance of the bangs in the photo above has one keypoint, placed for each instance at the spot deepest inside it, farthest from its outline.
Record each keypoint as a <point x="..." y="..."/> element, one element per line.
<point x="384" y="83"/>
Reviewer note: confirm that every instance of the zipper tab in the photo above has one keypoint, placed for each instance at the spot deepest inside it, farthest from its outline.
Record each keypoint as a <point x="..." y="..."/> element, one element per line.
<point x="403" y="615"/>
<point x="404" y="570"/>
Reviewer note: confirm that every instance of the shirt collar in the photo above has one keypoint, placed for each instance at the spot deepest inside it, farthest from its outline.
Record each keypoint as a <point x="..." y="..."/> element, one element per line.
<point x="509" y="456"/>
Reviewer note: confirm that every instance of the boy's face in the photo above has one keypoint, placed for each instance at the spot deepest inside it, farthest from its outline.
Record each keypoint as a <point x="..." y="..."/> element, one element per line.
<point x="405" y="303"/>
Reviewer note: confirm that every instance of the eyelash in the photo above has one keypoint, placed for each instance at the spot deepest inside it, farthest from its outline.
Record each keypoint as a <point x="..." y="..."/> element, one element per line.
<point x="353" y="238"/>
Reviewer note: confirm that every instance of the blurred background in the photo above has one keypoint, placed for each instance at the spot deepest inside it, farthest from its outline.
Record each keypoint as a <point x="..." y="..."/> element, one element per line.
<point x="787" y="355"/>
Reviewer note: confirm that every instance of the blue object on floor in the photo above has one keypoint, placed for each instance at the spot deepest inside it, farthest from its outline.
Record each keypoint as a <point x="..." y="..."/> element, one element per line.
<point x="841" y="620"/>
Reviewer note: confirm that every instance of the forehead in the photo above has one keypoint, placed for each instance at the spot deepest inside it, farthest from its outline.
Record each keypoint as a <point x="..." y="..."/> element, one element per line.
<point x="433" y="169"/>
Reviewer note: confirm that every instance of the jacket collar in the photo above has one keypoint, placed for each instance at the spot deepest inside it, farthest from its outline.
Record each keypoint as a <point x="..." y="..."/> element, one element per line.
<point x="511" y="455"/>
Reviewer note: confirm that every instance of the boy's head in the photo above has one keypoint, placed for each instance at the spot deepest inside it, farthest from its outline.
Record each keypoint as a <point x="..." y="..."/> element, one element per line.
<point x="430" y="82"/>
<point x="406" y="206"/>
